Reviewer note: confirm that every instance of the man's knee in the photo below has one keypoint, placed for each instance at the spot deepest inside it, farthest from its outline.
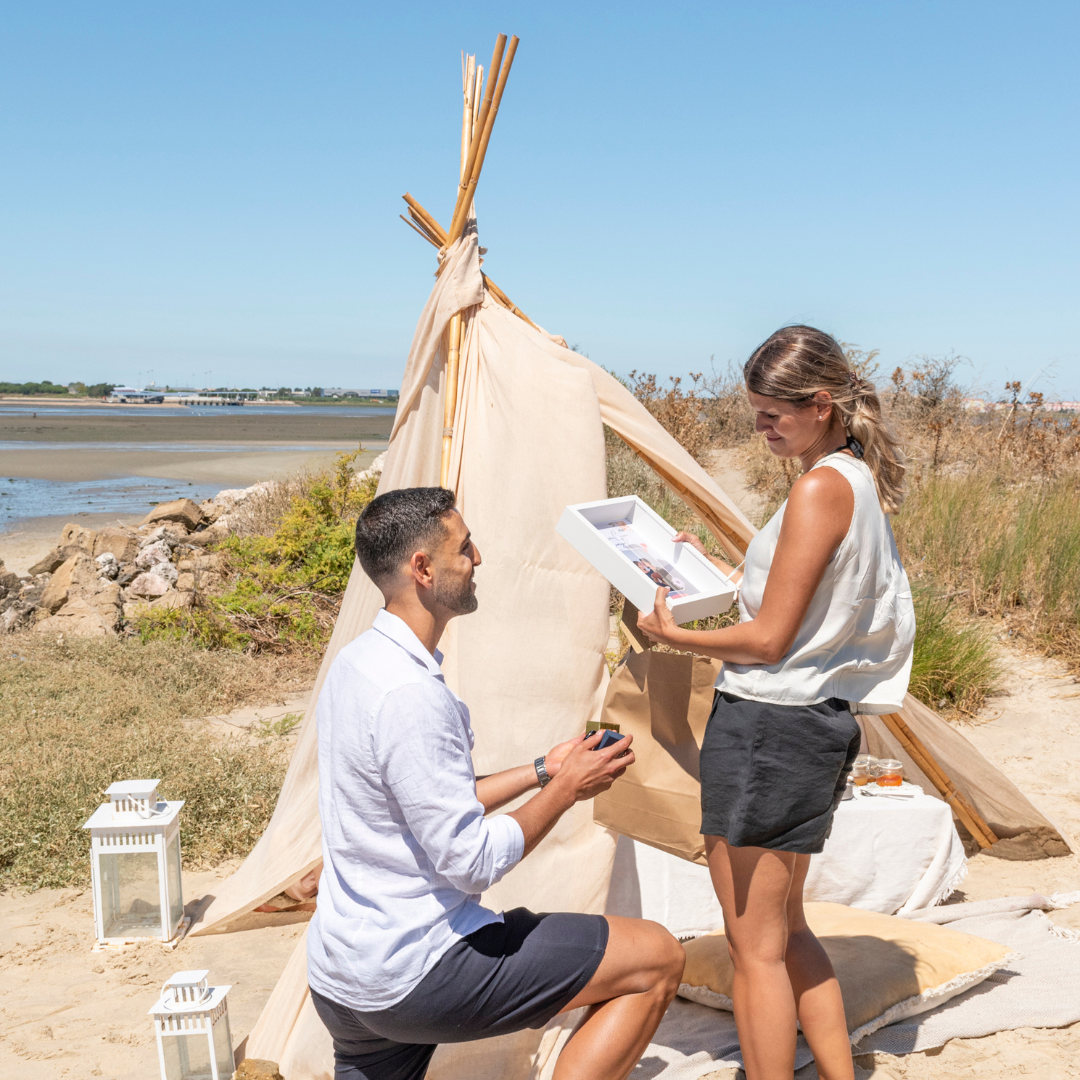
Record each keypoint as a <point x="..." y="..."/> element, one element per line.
<point x="667" y="957"/>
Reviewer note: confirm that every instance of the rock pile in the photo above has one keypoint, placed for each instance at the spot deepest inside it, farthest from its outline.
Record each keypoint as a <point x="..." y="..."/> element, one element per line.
<point x="94" y="583"/>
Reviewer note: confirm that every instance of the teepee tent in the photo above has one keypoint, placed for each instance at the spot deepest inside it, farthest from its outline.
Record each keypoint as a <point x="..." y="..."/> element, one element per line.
<point x="525" y="438"/>
<point x="512" y="420"/>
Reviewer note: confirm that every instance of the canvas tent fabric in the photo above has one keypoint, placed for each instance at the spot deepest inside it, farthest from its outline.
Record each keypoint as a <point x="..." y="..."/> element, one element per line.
<point x="1025" y="832"/>
<point x="528" y="441"/>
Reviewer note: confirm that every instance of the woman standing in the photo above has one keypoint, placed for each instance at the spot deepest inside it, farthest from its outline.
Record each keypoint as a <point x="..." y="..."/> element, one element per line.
<point x="826" y="629"/>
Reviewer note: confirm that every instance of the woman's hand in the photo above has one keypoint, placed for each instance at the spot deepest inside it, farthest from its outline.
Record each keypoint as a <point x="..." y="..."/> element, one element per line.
<point x="658" y="624"/>
<point x="691" y="539"/>
<point x="557" y="754"/>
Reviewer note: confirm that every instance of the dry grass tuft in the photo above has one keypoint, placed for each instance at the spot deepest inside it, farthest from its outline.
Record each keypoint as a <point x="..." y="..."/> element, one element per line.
<point x="77" y="715"/>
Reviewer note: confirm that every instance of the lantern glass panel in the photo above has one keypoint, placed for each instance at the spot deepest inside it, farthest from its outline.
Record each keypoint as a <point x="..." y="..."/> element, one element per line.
<point x="176" y="895"/>
<point x="130" y="894"/>
<point x="187" y="1057"/>
<point x="223" y="1048"/>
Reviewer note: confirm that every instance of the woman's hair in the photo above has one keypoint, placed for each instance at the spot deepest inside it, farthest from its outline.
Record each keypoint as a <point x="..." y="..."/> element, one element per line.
<point x="798" y="362"/>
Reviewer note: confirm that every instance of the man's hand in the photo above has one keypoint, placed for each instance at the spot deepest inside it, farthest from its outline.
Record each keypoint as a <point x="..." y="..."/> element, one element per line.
<point x="583" y="773"/>
<point x="587" y="772"/>
<point x="554" y="758"/>
<point x="659" y="624"/>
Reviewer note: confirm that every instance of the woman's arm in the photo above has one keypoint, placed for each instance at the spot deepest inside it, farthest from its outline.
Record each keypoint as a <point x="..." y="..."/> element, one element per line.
<point x="816" y="520"/>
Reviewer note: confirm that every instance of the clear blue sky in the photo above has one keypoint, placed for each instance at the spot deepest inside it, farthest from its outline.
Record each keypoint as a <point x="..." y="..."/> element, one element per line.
<point x="215" y="187"/>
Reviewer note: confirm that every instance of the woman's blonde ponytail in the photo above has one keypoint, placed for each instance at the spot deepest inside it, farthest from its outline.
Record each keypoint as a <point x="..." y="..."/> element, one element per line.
<point x="798" y="362"/>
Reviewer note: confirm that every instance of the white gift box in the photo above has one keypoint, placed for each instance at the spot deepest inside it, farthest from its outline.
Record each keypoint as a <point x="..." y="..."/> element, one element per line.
<point x="632" y="546"/>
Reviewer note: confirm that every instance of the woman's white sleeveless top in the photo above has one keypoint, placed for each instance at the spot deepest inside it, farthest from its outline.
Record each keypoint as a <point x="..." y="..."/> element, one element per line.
<point x="856" y="640"/>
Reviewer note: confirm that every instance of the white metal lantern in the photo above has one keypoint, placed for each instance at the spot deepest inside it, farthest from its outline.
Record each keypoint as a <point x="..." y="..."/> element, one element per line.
<point x="191" y="1020"/>
<point x="135" y="864"/>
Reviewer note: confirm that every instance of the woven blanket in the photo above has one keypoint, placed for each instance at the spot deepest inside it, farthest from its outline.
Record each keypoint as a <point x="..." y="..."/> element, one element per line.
<point x="1041" y="989"/>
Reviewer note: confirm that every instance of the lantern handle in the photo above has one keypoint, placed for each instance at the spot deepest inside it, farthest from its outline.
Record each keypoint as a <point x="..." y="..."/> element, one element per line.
<point x="206" y="993"/>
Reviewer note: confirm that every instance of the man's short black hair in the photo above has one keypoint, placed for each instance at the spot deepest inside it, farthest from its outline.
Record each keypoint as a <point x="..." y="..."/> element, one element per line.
<point x="397" y="524"/>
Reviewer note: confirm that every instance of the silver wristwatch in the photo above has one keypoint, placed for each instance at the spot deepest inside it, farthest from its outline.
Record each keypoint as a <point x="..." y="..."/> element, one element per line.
<point x="541" y="771"/>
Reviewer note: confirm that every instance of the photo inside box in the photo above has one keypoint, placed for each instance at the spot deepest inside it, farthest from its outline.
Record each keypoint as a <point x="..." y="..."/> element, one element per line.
<point x="625" y="539"/>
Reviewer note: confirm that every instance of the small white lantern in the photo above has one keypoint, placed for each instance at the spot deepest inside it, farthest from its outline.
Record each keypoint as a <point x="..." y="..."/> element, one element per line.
<point x="135" y="864"/>
<point x="191" y="1020"/>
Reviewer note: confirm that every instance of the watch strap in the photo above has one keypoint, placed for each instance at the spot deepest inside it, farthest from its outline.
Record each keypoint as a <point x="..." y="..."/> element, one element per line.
<point x="541" y="771"/>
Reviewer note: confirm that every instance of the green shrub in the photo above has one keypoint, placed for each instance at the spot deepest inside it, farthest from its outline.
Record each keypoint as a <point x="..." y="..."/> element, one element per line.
<point x="1009" y="549"/>
<point x="954" y="666"/>
<point x="281" y="591"/>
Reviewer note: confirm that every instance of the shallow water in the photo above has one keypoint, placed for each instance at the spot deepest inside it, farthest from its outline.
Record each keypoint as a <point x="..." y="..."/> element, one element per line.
<point x="22" y="498"/>
<point x="171" y="447"/>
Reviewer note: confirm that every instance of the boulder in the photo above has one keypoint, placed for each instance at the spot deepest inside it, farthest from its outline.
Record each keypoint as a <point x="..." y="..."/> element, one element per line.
<point x="16" y="617"/>
<point x="162" y="534"/>
<point x="218" y="531"/>
<point x="107" y="565"/>
<point x="149" y="585"/>
<point x="76" y="617"/>
<point x="122" y="544"/>
<point x="153" y="555"/>
<point x="56" y="592"/>
<point x="174" y="598"/>
<point x="78" y="578"/>
<point x="134" y="608"/>
<point x="199" y="571"/>
<point x="53" y="561"/>
<point x="10" y="583"/>
<point x="257" y="1069"/>
<point x="75" y="536"/>
<point x="183" y="511"/>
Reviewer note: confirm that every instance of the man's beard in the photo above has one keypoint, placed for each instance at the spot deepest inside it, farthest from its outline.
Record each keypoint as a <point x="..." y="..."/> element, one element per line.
<point x="458" y="597"/>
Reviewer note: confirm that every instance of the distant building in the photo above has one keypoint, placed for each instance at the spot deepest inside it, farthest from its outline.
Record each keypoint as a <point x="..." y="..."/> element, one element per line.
<point x="131" y="395"/>
<point x="342" y="392"/>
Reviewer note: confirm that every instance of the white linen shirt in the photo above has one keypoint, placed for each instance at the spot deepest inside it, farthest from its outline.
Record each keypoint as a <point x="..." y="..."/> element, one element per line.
<point x="406" y="846"/>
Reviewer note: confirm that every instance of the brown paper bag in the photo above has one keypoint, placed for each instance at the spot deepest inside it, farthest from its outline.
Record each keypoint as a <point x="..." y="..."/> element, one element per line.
<point x="664" y="701"/>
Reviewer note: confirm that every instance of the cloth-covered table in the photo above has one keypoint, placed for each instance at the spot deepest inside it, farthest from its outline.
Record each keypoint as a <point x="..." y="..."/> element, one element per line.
<point x="885" y="854"/>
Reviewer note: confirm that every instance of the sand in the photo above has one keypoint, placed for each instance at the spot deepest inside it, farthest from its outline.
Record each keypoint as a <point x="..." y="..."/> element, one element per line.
<point x="230" y="464"/>
<point x="68" y="1012"/>
<point x="226" y="426"/>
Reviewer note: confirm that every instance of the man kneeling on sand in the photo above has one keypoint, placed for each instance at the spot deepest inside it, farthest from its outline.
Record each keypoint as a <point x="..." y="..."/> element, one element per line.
<point x="401" y="955"/>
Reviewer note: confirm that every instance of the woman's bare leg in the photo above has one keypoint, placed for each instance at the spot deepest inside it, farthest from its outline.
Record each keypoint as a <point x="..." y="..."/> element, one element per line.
<point x="817" y="993"/>
<point x="752" y="885"/>
<point x="629" y="994"/>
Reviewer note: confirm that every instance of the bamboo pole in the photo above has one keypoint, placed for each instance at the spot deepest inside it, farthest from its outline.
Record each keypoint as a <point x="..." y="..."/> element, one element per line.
<point x="468" y="87"/>
<point x="506" y="302"/>
<point x="481" y="138"/>
<point x="421" y="215"/>
<point x="474" y="142"/>
<point x="971" y="818"/>
<point x="453" y="353"/>
<point x="416" y="228"/>
<point x="454" y="331"/>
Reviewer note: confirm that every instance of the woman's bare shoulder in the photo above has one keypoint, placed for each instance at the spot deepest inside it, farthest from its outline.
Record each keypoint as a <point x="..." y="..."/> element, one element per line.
<point x="821" y="491"/>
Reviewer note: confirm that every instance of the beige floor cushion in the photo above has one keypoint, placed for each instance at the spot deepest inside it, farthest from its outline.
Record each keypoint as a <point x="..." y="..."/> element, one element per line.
<point x="888" y="968"/>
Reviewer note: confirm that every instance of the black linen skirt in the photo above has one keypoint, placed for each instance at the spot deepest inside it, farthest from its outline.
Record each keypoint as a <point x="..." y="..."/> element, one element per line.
<point x="772" y="776"/>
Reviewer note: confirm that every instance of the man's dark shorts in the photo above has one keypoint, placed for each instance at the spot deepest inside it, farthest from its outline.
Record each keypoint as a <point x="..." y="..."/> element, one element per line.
<point x="504" y="977"/>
